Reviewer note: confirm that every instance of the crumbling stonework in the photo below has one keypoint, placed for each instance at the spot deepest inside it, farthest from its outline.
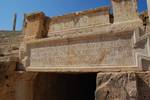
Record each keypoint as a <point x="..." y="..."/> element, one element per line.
<point x="11" y="82"/>
<point x="35" y="27"/>
<point x="123" y="86"/>
<point x="79" y="19"/>
<point x="116" y="86"/>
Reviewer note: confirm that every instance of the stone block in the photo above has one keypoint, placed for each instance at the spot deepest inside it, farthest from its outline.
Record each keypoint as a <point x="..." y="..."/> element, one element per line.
<point x="143" y="80"/>
<point x="98" y="16"/>
<point x="116" y="86"/>
<point x="124" y="10"/>
<point x="35" y="26"/>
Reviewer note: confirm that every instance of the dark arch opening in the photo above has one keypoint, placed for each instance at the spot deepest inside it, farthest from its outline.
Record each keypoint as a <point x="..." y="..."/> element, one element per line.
<point x="64" y="86"/>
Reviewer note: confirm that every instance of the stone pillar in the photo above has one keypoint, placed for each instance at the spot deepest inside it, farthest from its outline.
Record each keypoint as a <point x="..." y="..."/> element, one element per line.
<point x="24" y="90"/>
<point x="24" y="86"/>
<point x="34" y="26"/>
<point x="116" y="86"/>
<point x="24" y="20"/>
<point x="148" y="6"/>
<point x="14" y="22"/>
<point x="124" y="10"/>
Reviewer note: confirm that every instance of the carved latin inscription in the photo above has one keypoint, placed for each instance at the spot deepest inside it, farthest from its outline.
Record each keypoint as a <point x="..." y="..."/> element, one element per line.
<point x="91" y="51"/>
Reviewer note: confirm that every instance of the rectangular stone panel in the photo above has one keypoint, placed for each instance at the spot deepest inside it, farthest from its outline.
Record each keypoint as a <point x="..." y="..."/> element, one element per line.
<point x="98" y="16"/>
<point x="88" y="51"/>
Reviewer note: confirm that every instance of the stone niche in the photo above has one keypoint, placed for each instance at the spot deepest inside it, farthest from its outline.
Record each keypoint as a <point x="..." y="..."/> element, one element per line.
<point x="124" y="10"/>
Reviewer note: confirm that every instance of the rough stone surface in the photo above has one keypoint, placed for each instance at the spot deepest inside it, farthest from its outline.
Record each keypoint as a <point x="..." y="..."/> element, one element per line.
<point x="116" y="86"/>
<point x="124" y="10"/>
<point x="143" y="80"/>
<point x="79" y="19"/>
<point x="9" y="44"/>
<point x="35" y="26"/>
<point x="9" y="78"/>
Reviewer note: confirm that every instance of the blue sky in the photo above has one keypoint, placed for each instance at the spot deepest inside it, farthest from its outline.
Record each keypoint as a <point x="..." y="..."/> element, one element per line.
<point x="49" y="7"/>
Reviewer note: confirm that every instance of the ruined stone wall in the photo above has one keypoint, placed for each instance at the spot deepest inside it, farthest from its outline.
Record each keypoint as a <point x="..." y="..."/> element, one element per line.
<point x="9" y="50"/>
<point x="9" y="44"/>
<point x="12" y="83"/>
<point x="38" y="25"/>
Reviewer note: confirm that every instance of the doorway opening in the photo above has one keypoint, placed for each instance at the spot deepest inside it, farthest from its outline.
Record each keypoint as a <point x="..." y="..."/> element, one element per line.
<point x="64" y="86"/>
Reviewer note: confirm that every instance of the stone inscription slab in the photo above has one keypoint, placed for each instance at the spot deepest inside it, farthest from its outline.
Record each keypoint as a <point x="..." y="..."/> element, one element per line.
<point x="92" y="51"/>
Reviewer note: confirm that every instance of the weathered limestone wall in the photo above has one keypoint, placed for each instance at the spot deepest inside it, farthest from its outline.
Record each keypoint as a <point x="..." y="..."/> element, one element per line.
<point x="13" y="85"/>
<point x="9" y="44"/>
<point x="37" y="25"/>
<point x="9" y="49"/>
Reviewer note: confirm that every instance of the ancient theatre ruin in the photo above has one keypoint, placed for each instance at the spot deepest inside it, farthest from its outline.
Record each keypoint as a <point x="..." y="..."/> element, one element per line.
<point x="89" y="55"/>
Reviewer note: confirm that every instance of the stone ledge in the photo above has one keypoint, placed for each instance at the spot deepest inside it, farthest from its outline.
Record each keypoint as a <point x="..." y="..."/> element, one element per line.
<point x="81" y="69"/>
